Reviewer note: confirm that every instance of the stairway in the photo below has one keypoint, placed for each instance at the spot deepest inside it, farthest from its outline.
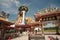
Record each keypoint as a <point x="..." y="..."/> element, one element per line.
<point x="36" y="37"/>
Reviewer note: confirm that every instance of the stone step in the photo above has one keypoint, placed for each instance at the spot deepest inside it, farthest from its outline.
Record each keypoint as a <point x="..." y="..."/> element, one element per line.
<point x="36" y="38"/>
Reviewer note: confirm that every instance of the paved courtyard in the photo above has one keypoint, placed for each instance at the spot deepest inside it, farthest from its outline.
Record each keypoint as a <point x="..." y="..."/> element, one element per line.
<point x="38" y="37"/>
<point x="21" y="38"/>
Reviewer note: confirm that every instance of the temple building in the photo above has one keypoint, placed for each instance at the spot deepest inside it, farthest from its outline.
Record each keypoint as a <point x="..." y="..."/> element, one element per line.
<point x="4" y="25"/>
<point x="48" y="17"/>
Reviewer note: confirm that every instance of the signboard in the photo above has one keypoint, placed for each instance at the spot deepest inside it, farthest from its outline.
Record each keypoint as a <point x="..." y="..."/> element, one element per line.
<point x="49" y="18"/>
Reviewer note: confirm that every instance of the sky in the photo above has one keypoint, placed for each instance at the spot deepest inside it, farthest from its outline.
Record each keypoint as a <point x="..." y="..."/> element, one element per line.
<point x="11" y="6"/>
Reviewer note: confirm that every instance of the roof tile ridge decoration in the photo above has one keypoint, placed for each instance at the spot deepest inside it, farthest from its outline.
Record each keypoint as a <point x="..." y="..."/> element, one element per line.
<point x="3" y="19"/>
<point x="49" y="10"/>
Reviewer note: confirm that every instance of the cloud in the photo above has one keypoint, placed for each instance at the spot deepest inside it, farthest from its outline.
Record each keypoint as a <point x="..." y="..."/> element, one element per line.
<point x="17" y="3"/>
<point x="5" y="3"/>
<point x="8" y="3"/>
<point x="9" y="6"/>
<point x="27" y="4"/>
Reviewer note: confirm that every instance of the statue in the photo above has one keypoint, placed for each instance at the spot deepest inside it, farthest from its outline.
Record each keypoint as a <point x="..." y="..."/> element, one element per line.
<point x="21" y="15"/>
